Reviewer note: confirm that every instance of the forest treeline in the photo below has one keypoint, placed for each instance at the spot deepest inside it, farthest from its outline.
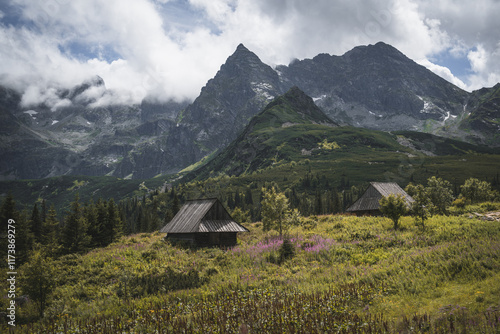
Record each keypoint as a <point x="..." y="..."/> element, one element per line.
<point x="87" y="225"/>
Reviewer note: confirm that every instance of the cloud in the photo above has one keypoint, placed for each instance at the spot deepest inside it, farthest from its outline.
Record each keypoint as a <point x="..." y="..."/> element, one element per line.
<point x="443" y="72"/>
<point x="485" y="66"/>
<point x="170" y="48"/>
<point x="149" y="60"/>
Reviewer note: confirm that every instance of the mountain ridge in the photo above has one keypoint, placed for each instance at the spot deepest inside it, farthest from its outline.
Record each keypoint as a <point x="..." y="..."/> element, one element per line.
<point x="374" y="86"/>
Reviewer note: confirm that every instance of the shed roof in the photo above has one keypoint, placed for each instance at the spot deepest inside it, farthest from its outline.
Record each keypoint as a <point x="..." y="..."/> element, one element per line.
<point x="191" y="218"/>
<point x="370" y="199"/>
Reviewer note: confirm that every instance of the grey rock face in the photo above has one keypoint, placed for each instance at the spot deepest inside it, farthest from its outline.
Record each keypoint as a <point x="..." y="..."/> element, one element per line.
<point x="373" y="86"/>
<point x="239" y="90"/>
<point x="376" y="87"/>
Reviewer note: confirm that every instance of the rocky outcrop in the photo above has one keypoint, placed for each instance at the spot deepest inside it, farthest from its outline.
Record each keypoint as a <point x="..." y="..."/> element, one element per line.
<point x="376" y="87"/>
<point x="239" y="90"/>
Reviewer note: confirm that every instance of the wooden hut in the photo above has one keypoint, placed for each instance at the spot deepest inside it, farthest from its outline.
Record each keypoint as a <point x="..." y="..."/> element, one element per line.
<point x="368" y="203"/>
<point x="203" y="223"/>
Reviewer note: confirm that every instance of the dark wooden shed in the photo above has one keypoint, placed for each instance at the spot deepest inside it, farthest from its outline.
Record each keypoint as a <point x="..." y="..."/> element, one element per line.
<point x="203" y="223"/>
<point x="368" y="203"/>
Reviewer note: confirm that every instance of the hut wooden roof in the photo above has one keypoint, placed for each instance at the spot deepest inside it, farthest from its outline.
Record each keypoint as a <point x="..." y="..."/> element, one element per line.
<point x="202" y="215"/>
<point x="370" y="199"/>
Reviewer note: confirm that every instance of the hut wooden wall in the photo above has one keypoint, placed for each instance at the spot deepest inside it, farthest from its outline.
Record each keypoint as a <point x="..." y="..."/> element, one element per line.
<point x="210" y="239"/>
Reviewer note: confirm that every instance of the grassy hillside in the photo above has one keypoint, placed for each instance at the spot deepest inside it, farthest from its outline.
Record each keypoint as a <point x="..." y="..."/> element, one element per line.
<point x="348" y="274"/>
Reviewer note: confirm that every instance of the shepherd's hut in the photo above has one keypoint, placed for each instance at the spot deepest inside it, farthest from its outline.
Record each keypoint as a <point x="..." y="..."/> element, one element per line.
<point x="203" y="223"/>
<point x="368" y="203"/>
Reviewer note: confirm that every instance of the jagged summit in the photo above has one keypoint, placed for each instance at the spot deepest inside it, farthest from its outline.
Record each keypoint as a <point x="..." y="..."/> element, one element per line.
<point x="241" y="47"/>
<point x="294" y="107"/>
<point x="376" y="51"/>
<point x="239" y="90"/>
<point x="373" y="86"/>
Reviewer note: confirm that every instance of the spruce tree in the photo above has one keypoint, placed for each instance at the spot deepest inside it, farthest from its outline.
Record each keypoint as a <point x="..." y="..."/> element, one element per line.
<point x="24" y="238"/>
<point x="94" y="230"/>
<point x="175" y="205"/>
<point x="36" y="224"/>
<point x="318" y="203"/>
<point x="43" y="214"/>
<point x="113" y="225"/>
<point x="50" y="229"/>
<point x="7" y="211"/>
<point x="74" y="235"/>
<point x="336" y="205"/>
<point x="248" y="196"/>
<point x="102" y="215"/>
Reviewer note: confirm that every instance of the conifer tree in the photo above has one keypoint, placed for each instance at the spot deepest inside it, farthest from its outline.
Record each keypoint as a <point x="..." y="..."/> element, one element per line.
<point x="318" y="203"/>
<point x="74" y="235"/>
<point x="94" y="227"/>
<point x="36" y="224"/>
<point x="336" y="207"/>
<point x="237" y="199"/>
<point x="50" y="232"/>
<point x="24" y="238"/>
<point x="248" y="197"/>
<point x="176" y="204"/>
<point x="7" y="211"/>
<point x="43" y="214"/>
<point x="113" y="226"/>
<point x="98" y="229"/>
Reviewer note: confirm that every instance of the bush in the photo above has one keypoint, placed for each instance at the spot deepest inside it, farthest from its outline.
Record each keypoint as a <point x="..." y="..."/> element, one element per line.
<point x="286" y="251"/>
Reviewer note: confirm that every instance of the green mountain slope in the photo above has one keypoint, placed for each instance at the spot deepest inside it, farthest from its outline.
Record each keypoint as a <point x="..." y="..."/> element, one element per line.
<point x="484" y="118"/>
<point x="292" y="129"/>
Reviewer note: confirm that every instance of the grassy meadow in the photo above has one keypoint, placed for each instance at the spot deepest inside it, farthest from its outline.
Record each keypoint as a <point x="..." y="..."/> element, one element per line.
<point x="343" y="274"/>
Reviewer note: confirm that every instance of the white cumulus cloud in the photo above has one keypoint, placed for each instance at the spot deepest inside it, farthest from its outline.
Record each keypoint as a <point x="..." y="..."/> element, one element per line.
<point x="168" y="49"/>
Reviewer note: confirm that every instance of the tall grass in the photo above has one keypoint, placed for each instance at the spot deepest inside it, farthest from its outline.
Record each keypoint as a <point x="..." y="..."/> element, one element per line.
<point x="346" y="274"/>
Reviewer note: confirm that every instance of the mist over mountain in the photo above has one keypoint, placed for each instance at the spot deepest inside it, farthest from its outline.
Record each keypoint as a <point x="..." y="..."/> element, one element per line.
<point x="374" y="86"/>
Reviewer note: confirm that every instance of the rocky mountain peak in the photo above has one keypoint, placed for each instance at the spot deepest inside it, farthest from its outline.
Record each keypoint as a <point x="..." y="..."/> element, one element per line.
<point x="294" y="107"/>
<point x="241" y="48"/>
<point x="239" y="90"/>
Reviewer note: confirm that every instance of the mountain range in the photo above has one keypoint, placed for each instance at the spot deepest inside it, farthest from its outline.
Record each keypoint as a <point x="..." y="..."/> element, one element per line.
<point x="374" y="87"/>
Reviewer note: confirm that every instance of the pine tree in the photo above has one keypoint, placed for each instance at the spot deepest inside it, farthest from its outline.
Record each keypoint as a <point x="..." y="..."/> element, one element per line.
<point x="24" y="238"/>
<point x="94" y="227"/>
<point x="175" y="205"/>
<point x="36" y="224"/>
<point x="98" y="230"/>
<point x="336" y="205"/>
<point x="50" y="232"/>
<point x="168" y="216"/>
<point x="114" y="225"/>
<point x="318" y="203"/>
<point x="74" y="235"/>
<point x="237" y="199"/>
<point x="7" y="211"/>
<point x="43" y="215"/>
<point x="140" y="220"/>
<point x="248" y="197"/>
<point x="230" y="201"/>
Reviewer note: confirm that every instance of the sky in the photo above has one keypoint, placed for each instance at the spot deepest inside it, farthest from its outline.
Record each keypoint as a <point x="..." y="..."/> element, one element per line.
<point x="168" y="49"/>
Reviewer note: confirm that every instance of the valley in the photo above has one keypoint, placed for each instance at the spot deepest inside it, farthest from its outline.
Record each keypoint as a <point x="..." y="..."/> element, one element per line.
<point x="91" y="185"/>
